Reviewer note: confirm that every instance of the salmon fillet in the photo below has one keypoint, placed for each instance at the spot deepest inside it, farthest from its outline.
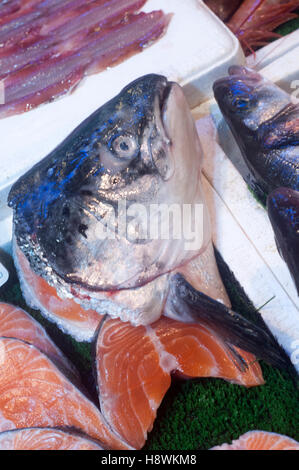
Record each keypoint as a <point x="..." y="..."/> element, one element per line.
<point x="45" y="439"/>
<point x="134" y="366"/>
<point x="16" y="323"/>
<point x="34" y="393"/>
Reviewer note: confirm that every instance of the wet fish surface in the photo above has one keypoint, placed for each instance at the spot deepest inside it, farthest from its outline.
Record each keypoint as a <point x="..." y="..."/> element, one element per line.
<point x="223" y="8"/>
<point x="16" y="323"/>
<point x="128" y="152"/>
<point x="48" y="47"/>
<point x="283" y="211"/>
<point x="35" y="393"/>
<point x="265" y="124"/>
<point x="134" y="367"/>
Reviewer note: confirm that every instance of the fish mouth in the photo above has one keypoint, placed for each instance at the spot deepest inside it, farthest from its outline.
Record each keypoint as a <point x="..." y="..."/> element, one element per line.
<point x="172" y="100"/>
<point x="236" y="73"/>
<point x="165" y="97"/>
<point x="243" y="72"/>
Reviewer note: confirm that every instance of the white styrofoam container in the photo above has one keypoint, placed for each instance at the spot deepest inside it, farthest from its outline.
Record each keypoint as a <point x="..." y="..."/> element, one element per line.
<point x="196" y="48"/>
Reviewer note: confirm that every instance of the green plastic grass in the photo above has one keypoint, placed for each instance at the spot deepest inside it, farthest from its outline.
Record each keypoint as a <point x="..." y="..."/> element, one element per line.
<point x="204" y="413"/>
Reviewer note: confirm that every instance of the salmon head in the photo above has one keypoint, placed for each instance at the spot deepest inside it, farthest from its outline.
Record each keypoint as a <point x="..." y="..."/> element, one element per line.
<point x="88" y="213"/>
<point x="265" y="124"/>
<point x="138" y="152"/>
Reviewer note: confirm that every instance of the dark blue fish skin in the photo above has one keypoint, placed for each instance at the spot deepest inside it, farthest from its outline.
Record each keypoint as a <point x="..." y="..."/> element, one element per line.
<point x="283" y="211"/>
<point x="265" y="124"/>
<point x="59" y="198"/>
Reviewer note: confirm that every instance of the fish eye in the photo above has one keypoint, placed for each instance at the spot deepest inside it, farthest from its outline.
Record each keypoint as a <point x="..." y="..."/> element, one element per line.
<point x="125" y="146"/>
<point x="240" y="103"/>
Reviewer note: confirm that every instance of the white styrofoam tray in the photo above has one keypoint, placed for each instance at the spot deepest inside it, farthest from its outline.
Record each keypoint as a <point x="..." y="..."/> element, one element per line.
<point x="194" y="50"/>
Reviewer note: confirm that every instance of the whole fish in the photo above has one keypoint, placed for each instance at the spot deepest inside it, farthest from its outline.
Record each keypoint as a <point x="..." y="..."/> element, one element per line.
<point x="265" y="124"/>
<point x="283" y="211"/>
<point x="138" y="152"/>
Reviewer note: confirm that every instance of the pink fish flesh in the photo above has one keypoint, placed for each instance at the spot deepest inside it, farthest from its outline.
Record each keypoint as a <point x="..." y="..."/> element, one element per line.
<point x="39" y="83"/>
<point x="65" y="33"/>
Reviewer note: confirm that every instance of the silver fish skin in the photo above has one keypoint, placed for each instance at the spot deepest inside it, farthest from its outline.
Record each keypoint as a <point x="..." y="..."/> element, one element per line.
<point x="283" y="211"/>
<point x="139" y="148"/>
<point x="265" y="123"/>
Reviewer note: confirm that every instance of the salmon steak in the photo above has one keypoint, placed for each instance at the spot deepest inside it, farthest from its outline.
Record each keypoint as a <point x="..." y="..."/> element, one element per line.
<point x="16" y="323"/>
<point x="45" y="439"/>
<point x="134" y="367"/>
<point x="34" y="393"/>
<point x="261" y="440"/>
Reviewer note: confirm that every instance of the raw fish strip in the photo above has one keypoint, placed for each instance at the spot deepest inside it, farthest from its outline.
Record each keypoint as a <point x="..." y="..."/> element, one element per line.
<point x="26" y="26"/>
<point x="95" y="13"/>
<point x="67" y="32"/>
<point x="16" y="28"/>
<point x="16" y="8"/>
<point x="38" y="84"/>
<point x="34" y="393"/>
<point x="139" y="31"/>
<point x="45" y="439"/>
<point x="69" y="315"/>
<point x="9" y="7"/>
<point x="134" y="366"/>
<point x="16" y="323"/>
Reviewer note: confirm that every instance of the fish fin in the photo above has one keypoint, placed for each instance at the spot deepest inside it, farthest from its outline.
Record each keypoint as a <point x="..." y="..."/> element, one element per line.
<point x="203" y="274"/>
<point x="234" y="329"/>
<point x="281" y="130"/>
<point x="237" y="359"/>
